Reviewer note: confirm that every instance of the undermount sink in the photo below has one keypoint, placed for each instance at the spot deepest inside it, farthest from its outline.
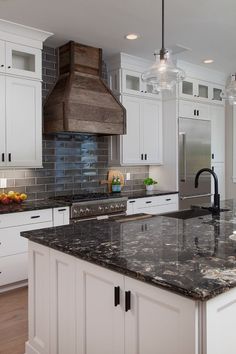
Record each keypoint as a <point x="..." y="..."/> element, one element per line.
<point x="187" y="214"/>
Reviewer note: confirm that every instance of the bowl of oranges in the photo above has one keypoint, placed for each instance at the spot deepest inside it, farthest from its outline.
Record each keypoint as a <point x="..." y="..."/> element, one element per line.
<point x="12" y="197"/>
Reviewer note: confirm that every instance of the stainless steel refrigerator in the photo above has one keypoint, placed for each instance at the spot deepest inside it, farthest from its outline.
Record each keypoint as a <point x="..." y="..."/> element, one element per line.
<point x="194" y="154"/>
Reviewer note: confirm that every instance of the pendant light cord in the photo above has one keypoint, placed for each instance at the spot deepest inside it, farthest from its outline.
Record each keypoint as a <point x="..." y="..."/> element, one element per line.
<point x="163" y="50"/>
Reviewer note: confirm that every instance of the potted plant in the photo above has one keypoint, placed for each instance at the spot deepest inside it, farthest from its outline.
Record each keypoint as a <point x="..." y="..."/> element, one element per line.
<point x="116" y="184"/>
<point x="149" y="183"/>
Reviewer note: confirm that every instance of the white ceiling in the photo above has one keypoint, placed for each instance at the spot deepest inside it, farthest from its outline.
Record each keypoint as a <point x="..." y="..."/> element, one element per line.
<point x="208" y="27"/>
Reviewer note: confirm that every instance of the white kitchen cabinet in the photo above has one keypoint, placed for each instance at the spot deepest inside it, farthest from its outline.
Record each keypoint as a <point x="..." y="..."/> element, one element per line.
<point x="61" y="216"/>
<point x="23" y="123"/>
<point x="2" y="56"/>
<point x="63" y="304"/>
<point x="142" y="145"/>
<point x="217" y="116"/>
<point x="219" y="169"/>
<point x="2" y="121"/>
<point x="101" y="317"/>
<point x="158" y="322"/>
<point x="14" y="248"/>
<point x="133" y="84"/>
<point x="200" y="90"/>
<point x="153" y="205"/>
<point x="192" y="109"/>
<point x="23" y="61"/>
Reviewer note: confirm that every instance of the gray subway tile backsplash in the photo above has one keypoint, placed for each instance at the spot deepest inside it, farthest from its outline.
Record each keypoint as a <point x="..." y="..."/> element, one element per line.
<point x="71" y="163"/>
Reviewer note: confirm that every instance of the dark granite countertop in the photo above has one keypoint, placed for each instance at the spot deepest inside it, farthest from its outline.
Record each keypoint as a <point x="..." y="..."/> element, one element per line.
<point x="194" y="257"/>
<point x="146" y="194"/>
<point x="34" y="205"/>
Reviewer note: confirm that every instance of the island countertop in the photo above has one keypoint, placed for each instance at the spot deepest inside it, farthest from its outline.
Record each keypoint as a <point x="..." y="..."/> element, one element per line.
<point x="194" y="257"/>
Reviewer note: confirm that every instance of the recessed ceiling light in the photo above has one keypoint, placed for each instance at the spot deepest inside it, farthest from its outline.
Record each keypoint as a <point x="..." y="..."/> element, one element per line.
<point x="208" y="61"/>
<point x="132" y="36"/>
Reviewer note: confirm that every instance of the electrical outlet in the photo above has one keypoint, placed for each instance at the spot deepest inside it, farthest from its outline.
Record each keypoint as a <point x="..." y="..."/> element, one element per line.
<point x="3" y="182"/>
<point x="128" y="176"/>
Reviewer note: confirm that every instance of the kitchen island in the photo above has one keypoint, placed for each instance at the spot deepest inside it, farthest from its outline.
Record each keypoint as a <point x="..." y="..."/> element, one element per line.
<point x="154" y="286"/>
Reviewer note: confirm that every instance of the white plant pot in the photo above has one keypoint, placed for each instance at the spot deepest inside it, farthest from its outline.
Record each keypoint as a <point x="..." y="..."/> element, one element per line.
<point x="149" y="188"/>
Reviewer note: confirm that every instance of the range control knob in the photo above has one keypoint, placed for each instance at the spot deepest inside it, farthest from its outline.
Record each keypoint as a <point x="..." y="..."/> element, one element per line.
<point x="87" y="210"/>
<point x="81" y="211"/>
<point x="112" y="207"/>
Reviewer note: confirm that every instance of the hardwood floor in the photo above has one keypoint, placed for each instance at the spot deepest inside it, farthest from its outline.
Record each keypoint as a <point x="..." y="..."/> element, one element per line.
<point x="13" y="321"/>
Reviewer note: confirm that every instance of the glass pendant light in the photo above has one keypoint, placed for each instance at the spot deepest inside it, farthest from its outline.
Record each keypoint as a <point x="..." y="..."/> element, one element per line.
<point x="163" y="74"/>
<point x="230" y="91"/>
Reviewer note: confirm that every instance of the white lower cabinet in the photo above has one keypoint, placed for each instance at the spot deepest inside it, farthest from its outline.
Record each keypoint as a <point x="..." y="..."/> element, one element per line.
<point x="14" y="248"/>
<point x="92" y="310"/>
<point x="153" y="205"/>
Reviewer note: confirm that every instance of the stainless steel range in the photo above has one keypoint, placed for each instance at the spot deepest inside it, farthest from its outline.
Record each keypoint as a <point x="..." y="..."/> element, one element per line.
<point x="94" y="206"/>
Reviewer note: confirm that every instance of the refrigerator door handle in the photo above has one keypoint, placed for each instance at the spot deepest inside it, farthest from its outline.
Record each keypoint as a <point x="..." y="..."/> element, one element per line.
<point x="196" y="196"/>
<point x="184" y="157"/>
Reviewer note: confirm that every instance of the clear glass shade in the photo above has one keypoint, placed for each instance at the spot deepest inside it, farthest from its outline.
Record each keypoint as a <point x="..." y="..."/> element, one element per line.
<point x="230" y="91"/>
<point x="163" y="74"/>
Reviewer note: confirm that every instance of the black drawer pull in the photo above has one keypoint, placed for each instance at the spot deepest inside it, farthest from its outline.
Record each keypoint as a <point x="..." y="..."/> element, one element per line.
<point x="116" y="296"/>
<point x="212" y="156"/>
<point x="145" y="156"/>
<point x="194" y="111"/>
<point x="35" y="217"/>
<point x="127" y="301"/>
<point x="62" y="209"/>
<point x="149" y="202"/>
<point x="141" y="156"/>
<point x="132" y="201"/>
<point x="9" y="157"/>
<point x="167" y="200"/>
<point x="3" y="157"/>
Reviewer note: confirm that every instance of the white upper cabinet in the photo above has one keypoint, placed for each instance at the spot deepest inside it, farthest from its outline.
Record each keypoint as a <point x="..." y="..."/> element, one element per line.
<point x="23" y="122"/>
<point x="217" y="116"/>
<point x="192" y="109"/>
<point x="142" y="145"/>
<point x="201" y="91"/>
<point x="21" y="95"/>
<point x="2" y="57"/>
<point x="23" y="61"/>
<point x="132" y="83"/>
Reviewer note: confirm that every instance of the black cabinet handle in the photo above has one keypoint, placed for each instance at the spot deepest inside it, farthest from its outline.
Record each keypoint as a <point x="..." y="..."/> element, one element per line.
<point x="141" y="156"/>
<point x="145" y="156"/>
<point x="2" y="66"/>
<point x="3" y="157"/>
<point x="132" y="201"/>
<point x="213" y="169"/>
<point x="116" y="296"/>
<point x="168" y="199"/>
<point x="194" y="111"/>
<point x="127" y="301"/>
<point x="9" y="67"/>
<point x="9" y="157"/>
<point x="212" y="156"/>
<point x="149" y="202"/>
<point x="35" y="217"/>
<point x="197" y="112"/>
<point x="62" y="209"/>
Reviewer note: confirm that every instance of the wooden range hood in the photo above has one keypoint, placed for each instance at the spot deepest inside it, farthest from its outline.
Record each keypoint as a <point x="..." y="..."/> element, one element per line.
<point x="80" y="101"/>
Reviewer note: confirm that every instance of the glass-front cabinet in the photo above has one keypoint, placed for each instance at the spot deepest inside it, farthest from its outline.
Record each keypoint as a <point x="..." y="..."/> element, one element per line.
<point x="200" y="90"/>
<point x="132" y="83"/>
<point x="23" y="61"/>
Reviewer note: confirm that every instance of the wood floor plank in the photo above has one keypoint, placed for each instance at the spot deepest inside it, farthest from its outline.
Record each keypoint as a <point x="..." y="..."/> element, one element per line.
<point x="13" y="321"/>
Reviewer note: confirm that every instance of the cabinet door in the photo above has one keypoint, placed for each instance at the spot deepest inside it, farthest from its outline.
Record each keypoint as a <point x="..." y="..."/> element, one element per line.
<point x="132" y="82"/>
<point x="219" y="169"/>
<point x="23" y="122"/>
<point x="187" y="109"/>
<point x="131" y="141"/>
<point x="61" y="216"/>
<point x="203" y="111"/>
<point x="187" y="89"/>
<point x="63" y="303"/>
<point x="100" y="317"/>
<point x="13" y="268"/>
<point x="158" y="322"/>
<point x="2" y="121"/>
<point x="151" y="131"/>
<point x="2" y="56"/>
<point x="24" y="61"/>
<point x="216" y="93"/>
<point x="217" y="115"/>
<point x="202" y="90"/>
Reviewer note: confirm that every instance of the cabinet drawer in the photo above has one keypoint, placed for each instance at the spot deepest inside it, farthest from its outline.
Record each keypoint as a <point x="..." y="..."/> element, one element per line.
<point x="61" y="216"/>
<point x="153" y="201"/>
<point x="12" y="243"/>
<point x="161" y="209"/>
<point x="13" y="268"/>
<point x="25" y="218"/>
